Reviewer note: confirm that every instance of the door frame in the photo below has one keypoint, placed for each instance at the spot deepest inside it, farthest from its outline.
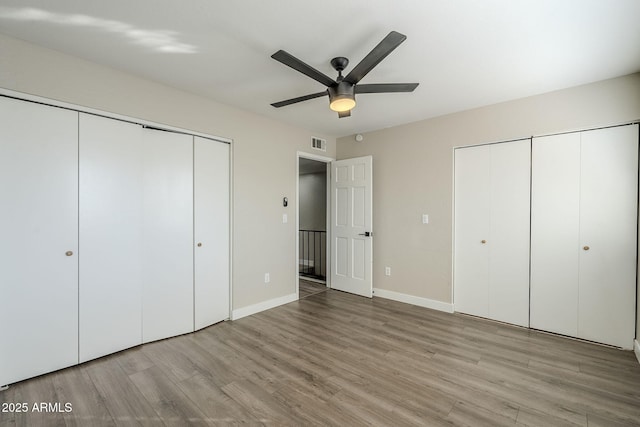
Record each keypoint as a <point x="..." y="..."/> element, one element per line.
<point x="327" y="161"/>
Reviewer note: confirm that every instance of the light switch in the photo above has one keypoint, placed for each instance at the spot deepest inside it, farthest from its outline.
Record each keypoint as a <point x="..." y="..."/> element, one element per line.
<point x="425" y="219"/>
<point x="285" y="218"/>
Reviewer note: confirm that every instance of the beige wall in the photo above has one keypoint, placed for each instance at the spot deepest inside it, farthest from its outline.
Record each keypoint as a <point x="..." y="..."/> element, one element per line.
<point x="264" y="152"/>
<point x="313" y="201"/>
<point x="413" y="173"/>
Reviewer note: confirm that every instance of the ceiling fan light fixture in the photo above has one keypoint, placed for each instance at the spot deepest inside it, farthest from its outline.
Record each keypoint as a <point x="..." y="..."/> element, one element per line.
<point x="342" y="97"/>
<point x="342" y="104"/>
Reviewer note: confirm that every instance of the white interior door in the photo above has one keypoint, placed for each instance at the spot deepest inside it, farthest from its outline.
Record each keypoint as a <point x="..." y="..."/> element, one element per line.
<point x="471" y="218"/>
<point x="211" y="231"/>
<point x="167" y="233"/>
<point x="110" y="236"/>
<point x="351" y="226"/>
<point x="555" y="231"/>
<point x="39" y="243"/>
<point x="608" y="222"/>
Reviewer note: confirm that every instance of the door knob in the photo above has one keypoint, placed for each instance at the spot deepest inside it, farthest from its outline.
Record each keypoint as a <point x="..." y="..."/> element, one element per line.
<point x="366" y="233"/>
<point x="68" y="253"/>
<point x="586" y="248"/>
<point x="199" y="244"/>
<point x="483" y="241"/>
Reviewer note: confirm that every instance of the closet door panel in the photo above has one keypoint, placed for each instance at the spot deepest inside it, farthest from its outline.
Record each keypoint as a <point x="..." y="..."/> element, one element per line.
<point x="110" y="236"/>
<point x="472" y="210"/>
<point x="38" y="225"/>
<point x="509" y="232"/>
<point x="167" y="233"/>
<point x="608" y="227"/>
<point x="555" y="210"/>
<point x="211" y="230"/>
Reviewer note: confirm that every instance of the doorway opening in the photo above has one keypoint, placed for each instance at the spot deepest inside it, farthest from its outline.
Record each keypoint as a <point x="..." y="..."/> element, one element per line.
<point x="312" y="248"/>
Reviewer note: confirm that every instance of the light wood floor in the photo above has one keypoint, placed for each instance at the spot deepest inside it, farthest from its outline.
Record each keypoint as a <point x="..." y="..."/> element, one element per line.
<point x="338" y="359"/>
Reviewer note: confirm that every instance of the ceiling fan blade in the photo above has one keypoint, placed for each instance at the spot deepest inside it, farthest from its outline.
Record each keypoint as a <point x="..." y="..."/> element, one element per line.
<point x="299" y="99"/>
<point x="293" y="62"/>
<point x="344" y="114"/>
<point x="386" y="87"/>
<point x="373" y="58"/>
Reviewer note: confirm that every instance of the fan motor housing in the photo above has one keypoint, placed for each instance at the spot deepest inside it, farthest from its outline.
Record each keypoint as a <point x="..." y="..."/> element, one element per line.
<point x="342" y="90"/>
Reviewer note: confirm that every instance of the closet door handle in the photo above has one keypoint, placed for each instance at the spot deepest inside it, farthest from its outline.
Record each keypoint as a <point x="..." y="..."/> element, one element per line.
<point x="483" y="241"/>
<point x="586" y="248"/>
<point x="68" y="253"/>
<point x="199" y="244"/>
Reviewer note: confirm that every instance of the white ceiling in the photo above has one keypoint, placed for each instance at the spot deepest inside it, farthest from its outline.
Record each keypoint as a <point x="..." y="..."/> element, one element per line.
<point x="464" y="53"/>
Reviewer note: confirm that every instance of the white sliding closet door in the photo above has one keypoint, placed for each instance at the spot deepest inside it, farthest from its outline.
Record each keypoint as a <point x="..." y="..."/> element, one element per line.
<point x="608" y="221"/>
<point x="510" y="232"/>
<point x="167" y="233"/>
<point x="211" y="230"/>
<point x="110" y="236"/>
<point x="471" y="218"/>
<point x="39" y="239"/>
<point x="555" y="233"/>
<point x="491" y="266"/>
<point x="583" y="234"/>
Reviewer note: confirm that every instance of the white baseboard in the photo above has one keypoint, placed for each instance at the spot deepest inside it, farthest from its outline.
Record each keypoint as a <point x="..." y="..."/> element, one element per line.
<point x="410" y="299"/>
<point x="636" y="349"/>
<point x="262" y="306"/>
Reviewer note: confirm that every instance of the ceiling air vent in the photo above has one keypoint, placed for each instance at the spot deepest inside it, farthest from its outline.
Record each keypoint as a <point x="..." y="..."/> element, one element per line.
<point x="318" y="144"/>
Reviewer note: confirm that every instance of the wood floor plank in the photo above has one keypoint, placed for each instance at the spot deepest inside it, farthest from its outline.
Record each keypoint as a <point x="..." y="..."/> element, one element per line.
<point x="8" y="397"/>
<point x="134" y="360"/>
<point x="175" y="364"/>
<point x="259" y="402"/>
<point x="410" y="368"/>
<point x="596" y="420"/>
<point x="337" y="359"/>
<point x="580" y="392"/>
<point x="524" y="393"/>
<point x="211" y="400"/>
<point x="533" y="418"/>
<point x="321" y="412"/>
<point x="173" y="407"/>
<point x="227" y="364"/>
<point x="125" y="403"/>
<point x="34" y="393"/>
<point x="366" y="408"/>
<point x="466" y="413"/>
<point x="90" y="410"/>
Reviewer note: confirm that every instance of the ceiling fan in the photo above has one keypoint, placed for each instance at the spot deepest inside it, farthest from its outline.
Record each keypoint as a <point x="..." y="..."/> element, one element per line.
<point x="342" y="91"/>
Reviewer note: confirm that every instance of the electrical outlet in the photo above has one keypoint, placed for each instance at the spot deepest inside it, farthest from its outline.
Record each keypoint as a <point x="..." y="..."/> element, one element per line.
<point x="387" y="271"/>
<point x="425" y="219"/>
<point x="267" y="278"/>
